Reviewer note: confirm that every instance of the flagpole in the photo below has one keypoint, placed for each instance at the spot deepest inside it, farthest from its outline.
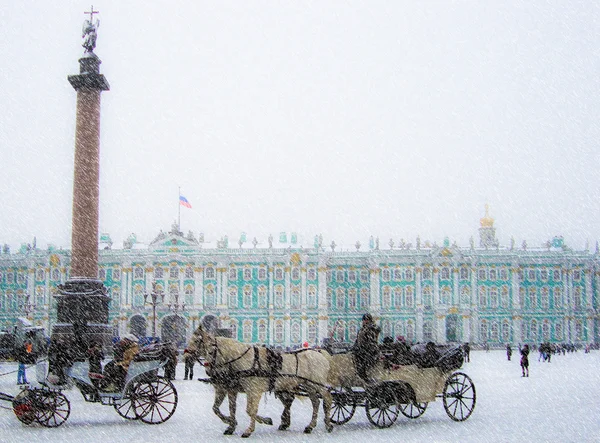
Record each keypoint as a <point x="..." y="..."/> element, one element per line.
<point x="179" y="210"/>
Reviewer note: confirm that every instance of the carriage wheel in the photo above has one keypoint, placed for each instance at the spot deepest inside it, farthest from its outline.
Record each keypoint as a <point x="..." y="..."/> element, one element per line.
<point x="343" y="406"/>
<point x="155" y="401"/>
<point x="53" y="409"/>
<point x="459" y="396"/>
<point x="126" y="408"/>
<point x="413" y="410"/>
<point x="381" y="414"/>
<point x="23" y="406"/>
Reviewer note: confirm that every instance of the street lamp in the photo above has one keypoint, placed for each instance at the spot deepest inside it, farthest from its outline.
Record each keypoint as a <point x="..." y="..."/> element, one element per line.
<point x="154" y="302"/>
<point x="175" y="308"/>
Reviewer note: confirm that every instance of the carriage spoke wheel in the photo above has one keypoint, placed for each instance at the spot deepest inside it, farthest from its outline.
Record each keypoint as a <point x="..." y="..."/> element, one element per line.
<point x="155" y="401"/>
<point x="381" y="414"/>
<point x="126" y="407"/>
<point x="52" y="409"/>
<point x="459" y="396"/>
<point x="413" y="410"/>
<point x="343" y="406"/>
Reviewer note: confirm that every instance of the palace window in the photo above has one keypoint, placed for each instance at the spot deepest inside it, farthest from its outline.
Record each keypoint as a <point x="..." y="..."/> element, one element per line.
<point x="312" y="296"/>
<point x="465" y="295"/>
<point x="409" y="296"/>
<point x="578" y="330"/>
<point x="328" y="276"/>
<point x="531" y="275"/>
<point x="397" y="274"/>
<point x="279" y="331"/>
<point x="495" y="333"/>
<point x="544" y="275"/>
<point x="247" y="274"/>
<point x="262" y="273"/>
<point x="494" y="297"/>
<point x="312" y="333"/>
<point x="481" y="274"/>
<point x="138" y="296"/>
<point x="364" y="276"/>
<point x="247" y="296"/>
<point x="546" y="330"/>
<point x="576" y="275"/>
<point x="365" y="299"/>
<point x="262" y="296"/>
<point x="398" y="297"/>
<point x="339" y="276"/>
<point x="174" y="273"/>
<point x="505" y="297"/>
<point x="40" y="296"/>
<point x="445" y="275"/>
<point x="493" y="276"/>
<point x="557" y="297"/>
<point x="577" y="298"/>
<point x="55" y="276"/>
<point x="295" y="301"/>
<point x="339" y="296"/>
<point x="278" y="273"/>
<point x="101" y="274"/>
<point x="386" y="297"/>
<point x="503" y="274"/>
<point x="556" y="276"/>
<point x="352" y="299"/>
<point x="40" y="275"/>
<point x="209" y="296"/>
<point x="410" y="331"/>
<point x="445" y="295"/>
<point x="311" y="273"/>
<point x="427" y="299"/>
<point x="115" y="294"/>
<point x="296" y="335"/>
<point x="533" y="330"/>
<point x="279" y="296"/>
<point x="262" y="332"/>
<point x="20" y="278"/>
<point x="232" y="274"/>
<point x="10" y="277"/>
<point x="464" y="273"/>
<point x="427" y="273"/>
<point x="295" y="273"/>
<point x="482" y="297"/>
<point x="532" y="297"/>
<point x="158" y="273"/>
<point x="505" y="331"/>
<point x="352" y="331"/>
<point x="558" y="331"/>
<point x="233" y="293"/>
<point x="408" y="274"/>
<point x="189" y="272"/>
<point x="483" y="331"/>
<point x="386" y="328"/>
<point x="427" y="331"/>
<point x="138" y="273"/>
<point x="116" y="274"/>
<point x="545" y="298"/>
<point x="385" y="274"/>
<point x="247" y="331"/>
<point x="352" y="276"/>
<point x="233" y="327"/>
<point x="3" y="302"/>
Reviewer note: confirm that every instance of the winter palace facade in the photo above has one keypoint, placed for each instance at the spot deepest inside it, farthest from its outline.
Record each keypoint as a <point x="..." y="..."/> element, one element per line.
<point x="284" y="295"/>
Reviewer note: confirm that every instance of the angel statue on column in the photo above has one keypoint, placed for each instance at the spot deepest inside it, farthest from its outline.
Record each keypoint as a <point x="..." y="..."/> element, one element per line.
<point x="89" y="35"/>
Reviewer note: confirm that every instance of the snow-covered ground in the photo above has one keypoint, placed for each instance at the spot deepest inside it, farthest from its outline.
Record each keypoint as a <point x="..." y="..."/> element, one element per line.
<point x="559" y="402"/>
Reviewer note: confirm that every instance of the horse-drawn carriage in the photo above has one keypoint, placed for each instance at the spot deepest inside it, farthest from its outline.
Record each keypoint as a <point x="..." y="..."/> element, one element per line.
<point x="144" y="395"/>
<point x="405" y="386"/>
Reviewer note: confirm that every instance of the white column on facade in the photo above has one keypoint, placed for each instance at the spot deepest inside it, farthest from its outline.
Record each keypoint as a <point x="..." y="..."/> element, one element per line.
<point x="474" y="307"/>
<point x="588" y="289"/>
<point x="303" y="292"/>
<point x="375" y="290"/>
<point x="198" y="287"/>
<point x="456" y="296"/>
<point x="440" y="324"/>
<point x="287" y="294"/>
<point x="419" y="303"/>
<point x="323" y="316"/>
<point x="436" y="287"/>
<point x="287" y="329"/>
<point x="271" y="303"/>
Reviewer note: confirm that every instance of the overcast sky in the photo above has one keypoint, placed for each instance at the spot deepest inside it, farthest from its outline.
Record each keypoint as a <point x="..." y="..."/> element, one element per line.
<point x="350" y="119"/>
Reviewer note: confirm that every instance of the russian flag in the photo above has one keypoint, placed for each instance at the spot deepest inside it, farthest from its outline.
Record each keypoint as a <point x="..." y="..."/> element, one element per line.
<point x="183" y="202"/>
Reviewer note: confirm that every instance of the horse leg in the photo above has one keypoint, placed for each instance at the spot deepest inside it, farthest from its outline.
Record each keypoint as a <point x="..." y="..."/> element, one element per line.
<point x="232" y="399"/>
<point x="287" y="399"/>
<point x="314" y="399"/>
<point x="251" y="409"/>
<point x="327" y="401"/>
<point x="220" y="394"/>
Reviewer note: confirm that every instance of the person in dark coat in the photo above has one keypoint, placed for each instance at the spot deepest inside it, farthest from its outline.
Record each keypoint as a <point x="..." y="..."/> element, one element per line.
<point x="525" y="360"/>
<point x="189" y="359"/>
<point x="170" y="367"/>
<point x="467" y="352"/>
<point x="24" y="357"/>
<point x="508" y="351"/>
<point x="95" y="357"/>
<point x="366" y="349"/>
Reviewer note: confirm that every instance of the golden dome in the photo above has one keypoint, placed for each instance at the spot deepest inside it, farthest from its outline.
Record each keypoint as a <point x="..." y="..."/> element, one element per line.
<point x="487" y="221"/>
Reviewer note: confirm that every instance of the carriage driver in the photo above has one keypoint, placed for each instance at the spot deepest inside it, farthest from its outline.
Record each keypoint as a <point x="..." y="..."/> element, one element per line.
<point x="366" y="349"/>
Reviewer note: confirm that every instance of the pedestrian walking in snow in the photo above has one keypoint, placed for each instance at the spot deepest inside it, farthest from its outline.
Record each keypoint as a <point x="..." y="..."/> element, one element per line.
<point x="525" y="360"/>
<point x="508" y="351"/>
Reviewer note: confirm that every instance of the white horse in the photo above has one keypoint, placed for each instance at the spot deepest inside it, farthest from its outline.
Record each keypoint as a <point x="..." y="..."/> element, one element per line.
<point x="238" y="367"/>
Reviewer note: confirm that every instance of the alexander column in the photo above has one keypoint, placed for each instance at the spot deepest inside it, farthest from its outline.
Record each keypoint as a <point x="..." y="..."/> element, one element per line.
<point x="82" y="313"/>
